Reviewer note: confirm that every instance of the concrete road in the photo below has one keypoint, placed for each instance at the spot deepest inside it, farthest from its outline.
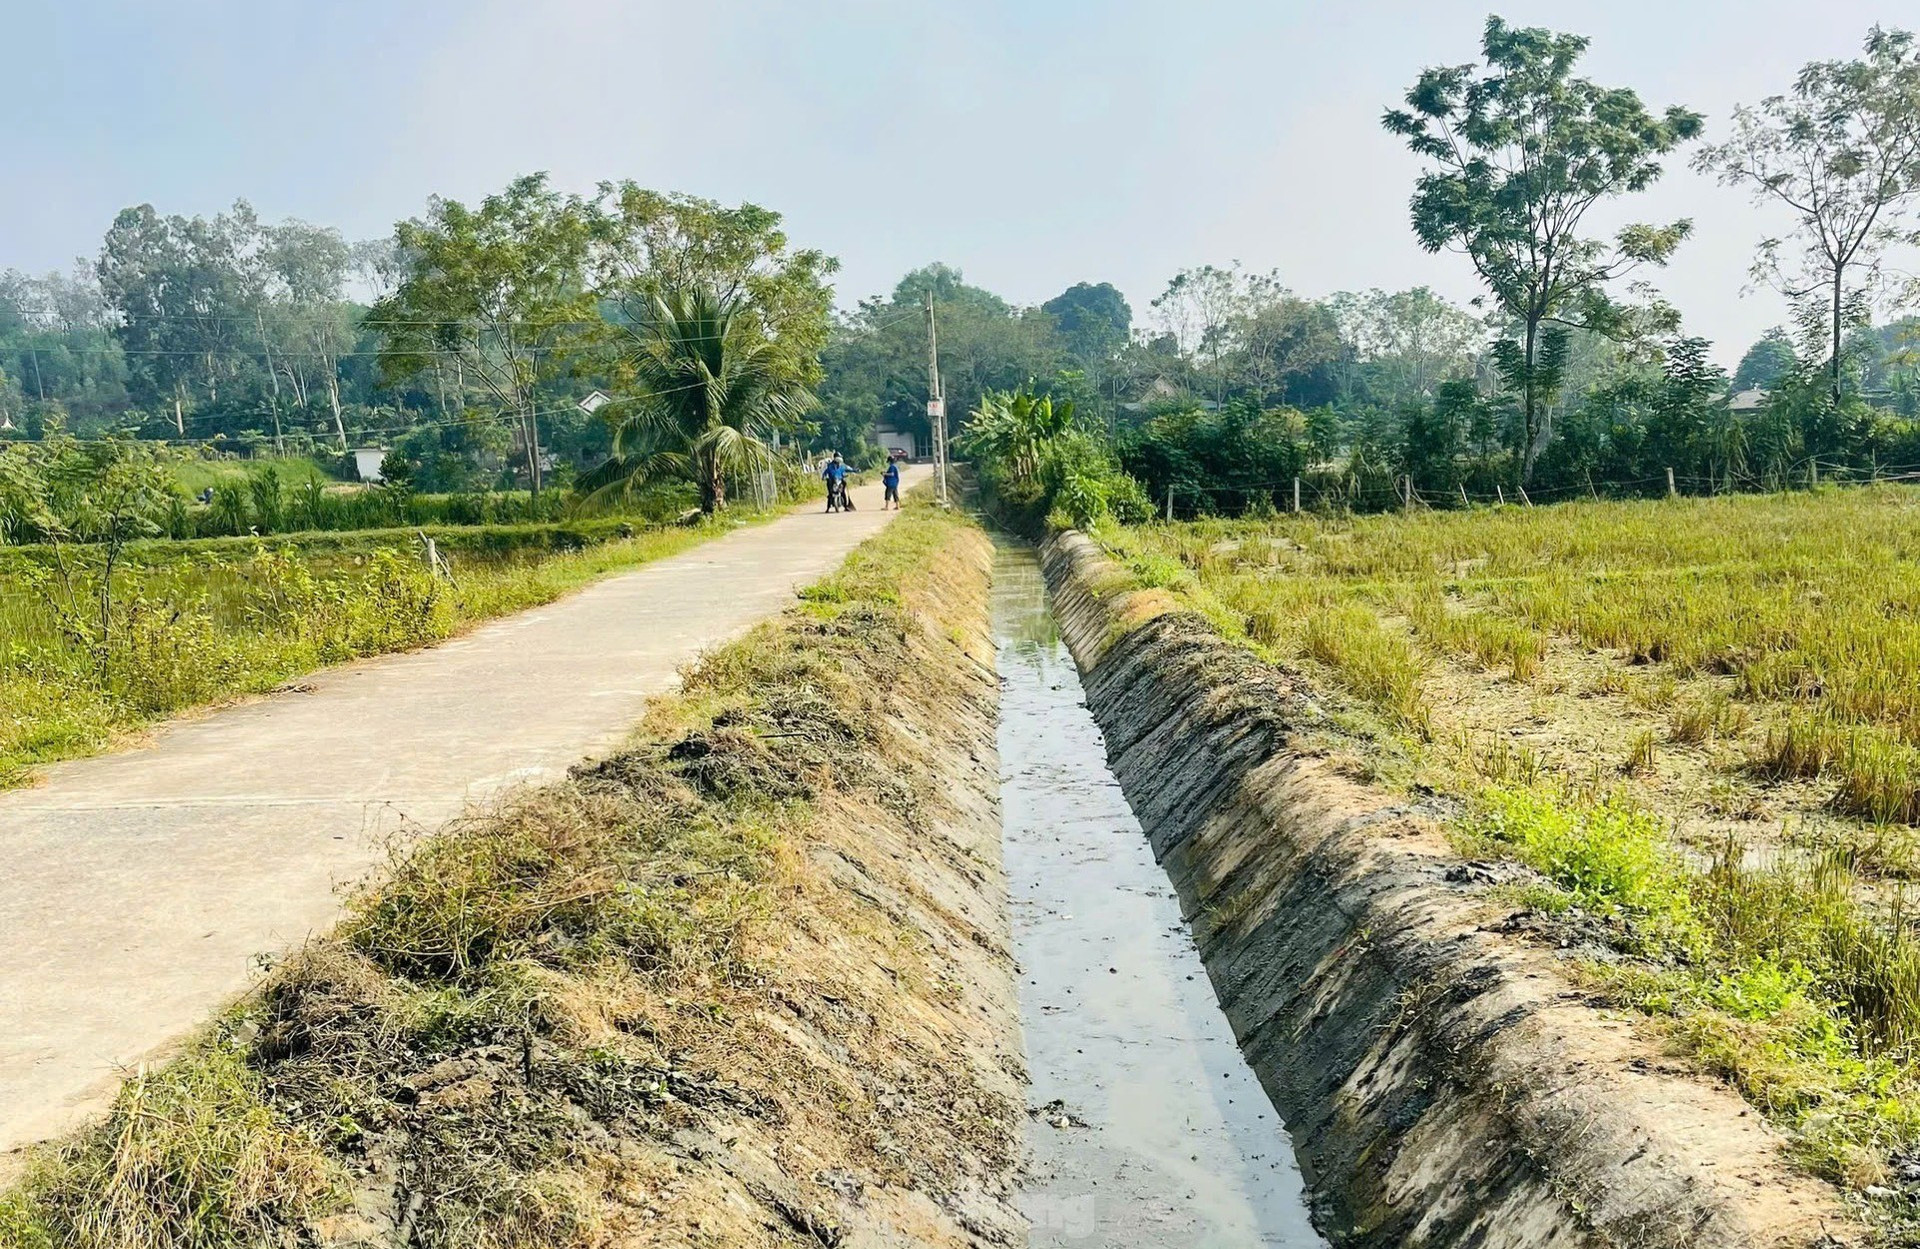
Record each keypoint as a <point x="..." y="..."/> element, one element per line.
<point x="139" y="887"/>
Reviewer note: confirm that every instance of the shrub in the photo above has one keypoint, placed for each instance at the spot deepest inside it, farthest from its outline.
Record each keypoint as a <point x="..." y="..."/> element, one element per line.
<point x="1611" y="856"/>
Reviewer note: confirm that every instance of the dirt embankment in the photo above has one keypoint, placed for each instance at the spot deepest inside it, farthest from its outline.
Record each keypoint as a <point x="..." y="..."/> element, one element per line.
<point x="1444" y="1083"/>
<point x="744" y="983"/>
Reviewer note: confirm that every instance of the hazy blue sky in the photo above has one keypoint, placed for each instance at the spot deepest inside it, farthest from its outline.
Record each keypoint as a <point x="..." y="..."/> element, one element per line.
<point x="1033" y="143"/>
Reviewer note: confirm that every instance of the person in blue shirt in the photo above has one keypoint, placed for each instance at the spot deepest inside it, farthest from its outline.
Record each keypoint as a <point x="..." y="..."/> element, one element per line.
<point x="835" y="475"/>
<point x="891" y="480"/>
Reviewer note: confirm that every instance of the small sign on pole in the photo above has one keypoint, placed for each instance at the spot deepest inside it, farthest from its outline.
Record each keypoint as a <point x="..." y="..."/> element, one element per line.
<point x="936" y="408"/>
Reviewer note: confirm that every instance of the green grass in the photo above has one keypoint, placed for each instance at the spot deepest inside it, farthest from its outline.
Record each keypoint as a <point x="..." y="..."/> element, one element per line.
<point x="1611" y="858"/>
<point x="192" y="474"/>
<point x="190" y="1155"/>
<point x="1775" y="977"/>
<point x="204" y="621"/>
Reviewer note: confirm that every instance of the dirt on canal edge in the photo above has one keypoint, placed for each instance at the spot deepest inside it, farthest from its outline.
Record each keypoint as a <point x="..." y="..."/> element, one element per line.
<point x="1443" y="1083"/>
<point x="744" y="983"/>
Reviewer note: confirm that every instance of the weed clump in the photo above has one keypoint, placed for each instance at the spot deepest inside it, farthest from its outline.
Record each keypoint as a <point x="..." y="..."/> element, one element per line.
<point x="1612" y="859"/>
<point x="190" y="1155"/>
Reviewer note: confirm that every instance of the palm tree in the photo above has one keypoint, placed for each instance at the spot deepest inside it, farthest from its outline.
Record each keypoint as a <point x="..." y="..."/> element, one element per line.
<point x="708" y="389"/>
<point x="1011" y="429"/>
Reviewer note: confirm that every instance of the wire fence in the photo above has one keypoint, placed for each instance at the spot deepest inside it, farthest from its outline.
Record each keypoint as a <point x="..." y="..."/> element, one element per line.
<point x="1325" y="492"/>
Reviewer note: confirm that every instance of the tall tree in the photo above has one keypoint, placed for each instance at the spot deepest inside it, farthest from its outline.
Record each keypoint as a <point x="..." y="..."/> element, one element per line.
<point x="876" y="361"/>
<point x="1769" y="359"/>
<point x="1406" y="343"/>
<point x="1842" y="152"/>
<point x="307" y="268"/>
<point x="1198" y="308"/>
<point x="1094" y="320"/>
<point x="185" y="300"/>
<point x="654" y="243"/>
<point x="500" y="290"/>
<point x="1522" y="150"/>
<point x="1093" y="324"/>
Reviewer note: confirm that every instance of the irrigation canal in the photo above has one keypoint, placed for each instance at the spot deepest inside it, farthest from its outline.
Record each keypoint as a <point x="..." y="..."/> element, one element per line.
<point x="1145" y="1127"/>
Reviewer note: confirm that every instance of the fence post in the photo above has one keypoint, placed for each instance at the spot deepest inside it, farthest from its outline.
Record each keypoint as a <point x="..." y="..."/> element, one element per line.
<point x="1672" y="490"/>
<point x="1499" y="494"/>
<point x="1406" y="493"/>
<point x="1523" y="497"/>
<point x="1296" y="495"/>
<point x="1813" y="474"/>
<point x="1169" y="501"/>
<point x="1463" y="494"/>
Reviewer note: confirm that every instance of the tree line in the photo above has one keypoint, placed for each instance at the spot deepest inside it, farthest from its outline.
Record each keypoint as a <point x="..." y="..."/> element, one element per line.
<point x="476" y="338"/>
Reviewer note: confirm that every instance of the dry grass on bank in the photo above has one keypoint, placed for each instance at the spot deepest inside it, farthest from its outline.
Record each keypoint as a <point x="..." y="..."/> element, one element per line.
<point x="708" y="991"/>
<point x="1698" y="721"/>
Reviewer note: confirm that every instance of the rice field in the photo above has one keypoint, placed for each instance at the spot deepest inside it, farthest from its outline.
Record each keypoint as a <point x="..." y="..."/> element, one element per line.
<point x="200" y="622"/>
<point x="1697" y="721"/>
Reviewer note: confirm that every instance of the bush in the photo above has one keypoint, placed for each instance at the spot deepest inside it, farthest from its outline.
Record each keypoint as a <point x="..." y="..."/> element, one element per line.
<point x="1035" y="464"/>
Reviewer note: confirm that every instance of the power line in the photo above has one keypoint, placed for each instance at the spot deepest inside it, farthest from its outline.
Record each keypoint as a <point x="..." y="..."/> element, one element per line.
<point x="451" y="422"/>
<point x="387" y="322"/>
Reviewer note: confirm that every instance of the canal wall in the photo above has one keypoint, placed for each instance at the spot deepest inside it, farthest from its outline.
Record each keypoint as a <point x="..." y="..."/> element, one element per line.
<point x="1444" y="1083"/>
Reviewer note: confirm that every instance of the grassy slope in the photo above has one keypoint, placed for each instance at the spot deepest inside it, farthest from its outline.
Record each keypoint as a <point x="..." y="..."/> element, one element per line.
<point x="1612" y="694"/>
<point x="192" y="475"/>
<point x="211" y="620"/>
<point x="656" y="1003"/>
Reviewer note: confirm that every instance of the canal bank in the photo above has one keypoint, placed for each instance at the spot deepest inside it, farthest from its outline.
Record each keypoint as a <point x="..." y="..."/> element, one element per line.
<point x="1444" y="1084"/>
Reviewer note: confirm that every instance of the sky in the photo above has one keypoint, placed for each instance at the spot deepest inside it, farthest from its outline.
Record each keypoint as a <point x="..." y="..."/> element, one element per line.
<point x="1031" y="143"/>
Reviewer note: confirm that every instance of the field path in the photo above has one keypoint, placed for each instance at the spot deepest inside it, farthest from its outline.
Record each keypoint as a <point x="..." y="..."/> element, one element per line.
<point x="136" y="889"/>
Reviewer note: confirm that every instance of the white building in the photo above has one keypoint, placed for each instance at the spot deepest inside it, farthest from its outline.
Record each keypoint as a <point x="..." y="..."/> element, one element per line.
<point x="901" y="440"/>
<point x="366" y="463"/>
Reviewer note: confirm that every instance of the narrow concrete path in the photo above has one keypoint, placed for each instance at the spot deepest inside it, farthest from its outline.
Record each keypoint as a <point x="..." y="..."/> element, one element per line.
<point x="139" y="887"/>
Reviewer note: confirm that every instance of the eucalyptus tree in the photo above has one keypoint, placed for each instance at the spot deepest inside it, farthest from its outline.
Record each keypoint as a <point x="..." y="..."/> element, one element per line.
<point x="701" y="387"/>
<point x="1841" y="151"/>
<point x="1403" y="345"/>
<point x="1521" y="150"/>
<point x="502" y="291"/>
<point x="312" y="325"/>
<point x="184" y="300"/>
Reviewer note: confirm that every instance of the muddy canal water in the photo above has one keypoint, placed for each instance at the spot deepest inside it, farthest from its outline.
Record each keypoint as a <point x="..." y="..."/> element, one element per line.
<point x="1145" y="1127"/>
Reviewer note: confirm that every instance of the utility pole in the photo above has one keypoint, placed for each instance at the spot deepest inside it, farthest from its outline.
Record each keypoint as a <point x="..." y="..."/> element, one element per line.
<point x="530" y="430"/>
<point x="936" y="407"/>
